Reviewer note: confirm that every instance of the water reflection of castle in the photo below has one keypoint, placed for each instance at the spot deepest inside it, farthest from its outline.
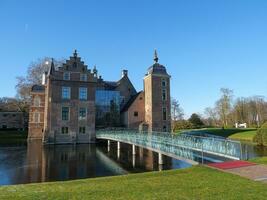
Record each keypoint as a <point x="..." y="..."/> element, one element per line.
<point x="66" y="162"/>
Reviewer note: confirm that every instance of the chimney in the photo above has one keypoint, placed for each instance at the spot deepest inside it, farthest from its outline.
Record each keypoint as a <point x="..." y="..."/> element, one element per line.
<point x="44" y="78"/>
<point x="124" y="73"/>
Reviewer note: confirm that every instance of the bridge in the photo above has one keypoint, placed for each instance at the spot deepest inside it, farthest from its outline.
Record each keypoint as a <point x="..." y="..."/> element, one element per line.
<point x="187" y="147"/>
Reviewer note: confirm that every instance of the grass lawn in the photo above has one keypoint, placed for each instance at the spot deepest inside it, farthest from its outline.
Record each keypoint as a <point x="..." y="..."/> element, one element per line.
<point x="260" y="160"/>
<point x="197" y="182"/>
<point x="236" y="134"/>
<point x="13" y="137"/>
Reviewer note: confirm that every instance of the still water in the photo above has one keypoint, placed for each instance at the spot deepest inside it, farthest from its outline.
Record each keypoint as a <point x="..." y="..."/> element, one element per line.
<point x="37" y="163"/>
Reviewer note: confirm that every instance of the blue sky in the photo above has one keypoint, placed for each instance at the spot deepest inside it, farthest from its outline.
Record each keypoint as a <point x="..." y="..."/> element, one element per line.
<point x="205" y="44"/>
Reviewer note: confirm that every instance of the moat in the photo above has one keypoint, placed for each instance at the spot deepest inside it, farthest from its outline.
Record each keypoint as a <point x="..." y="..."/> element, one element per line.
<point x="37" y="163"/>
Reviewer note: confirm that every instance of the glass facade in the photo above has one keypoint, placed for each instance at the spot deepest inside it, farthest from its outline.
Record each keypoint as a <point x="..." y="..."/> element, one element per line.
<point x="108" y="104"/>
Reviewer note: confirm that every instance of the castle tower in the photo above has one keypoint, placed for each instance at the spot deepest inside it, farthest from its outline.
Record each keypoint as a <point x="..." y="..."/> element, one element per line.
<point x="157" y="98"/>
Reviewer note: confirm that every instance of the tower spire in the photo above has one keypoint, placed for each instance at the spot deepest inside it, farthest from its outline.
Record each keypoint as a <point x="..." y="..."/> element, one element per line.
<point x="75" y="54"/>
<point x="156" y="59"/>
<point x="52" y="67"/>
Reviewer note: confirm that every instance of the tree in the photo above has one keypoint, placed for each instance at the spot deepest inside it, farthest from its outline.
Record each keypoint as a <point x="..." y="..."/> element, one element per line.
<point x="261" y="136"/>
<point x="177" y="113"/>
<point x="223" y="105"/>
<point x="211" y="116"/>
<point x="196" y="121"/>
<point x="34" y="76"/>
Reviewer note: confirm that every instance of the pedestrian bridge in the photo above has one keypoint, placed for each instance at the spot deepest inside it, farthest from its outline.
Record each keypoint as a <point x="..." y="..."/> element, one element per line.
<point x="193" y="149"/>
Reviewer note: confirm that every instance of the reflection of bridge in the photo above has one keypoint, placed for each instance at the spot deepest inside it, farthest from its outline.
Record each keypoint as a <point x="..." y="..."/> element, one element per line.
<point x="183" y="147"/>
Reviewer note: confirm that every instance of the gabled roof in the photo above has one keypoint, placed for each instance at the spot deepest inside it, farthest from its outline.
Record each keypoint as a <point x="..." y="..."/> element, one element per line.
<point x="130" y="102"/>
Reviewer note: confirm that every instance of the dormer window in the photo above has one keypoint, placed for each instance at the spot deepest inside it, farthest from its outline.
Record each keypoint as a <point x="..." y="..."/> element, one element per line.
<point x="66" y="76"/>
<point x="83" y="77"/>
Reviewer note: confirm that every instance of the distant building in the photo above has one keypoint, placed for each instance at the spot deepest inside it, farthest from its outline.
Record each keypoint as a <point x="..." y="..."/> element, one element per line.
<point x="12" y="120"/>
<point x="74" y="100"/>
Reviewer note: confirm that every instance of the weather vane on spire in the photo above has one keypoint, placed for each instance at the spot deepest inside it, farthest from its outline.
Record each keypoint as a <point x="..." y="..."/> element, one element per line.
<point x="75" y="53"/>
<point x="156" y="59"/>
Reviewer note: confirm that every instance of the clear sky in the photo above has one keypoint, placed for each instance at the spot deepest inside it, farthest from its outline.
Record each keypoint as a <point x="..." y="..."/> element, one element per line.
<point x="205" y="44"/>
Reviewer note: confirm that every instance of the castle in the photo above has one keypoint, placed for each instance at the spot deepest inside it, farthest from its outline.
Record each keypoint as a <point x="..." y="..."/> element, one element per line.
<point x="73" y="101"/>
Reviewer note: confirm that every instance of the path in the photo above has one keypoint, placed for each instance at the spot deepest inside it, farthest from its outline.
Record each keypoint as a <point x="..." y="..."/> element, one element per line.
<point x="253" y="171"/>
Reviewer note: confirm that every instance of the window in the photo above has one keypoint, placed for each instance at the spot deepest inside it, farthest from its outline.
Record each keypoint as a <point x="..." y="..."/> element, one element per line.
<point x="82" y="130"/>
<point x="82" y="113"/>
<point x="66" y="76"/>
<point x="36" y="117"/>
<point x="37" y="102"/>
<point x="65" y="92"/>
<point x="5" y="115"/>
<point x="164" y="112"/>
<point x="136" y="114"/>
<point x="83" y="77"/>
<point x="65" y="130"/>
<point x="164" y="129"/>
<point x="65" y="113"/>
<point x="83" y="93"/>
<point x="14" y="115"/>
<point x="163" y="83"/>
<point x="164" y="95"/>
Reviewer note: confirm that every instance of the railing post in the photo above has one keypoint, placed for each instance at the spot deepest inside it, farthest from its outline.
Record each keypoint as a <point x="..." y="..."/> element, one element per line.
<point x="202" y="159"/>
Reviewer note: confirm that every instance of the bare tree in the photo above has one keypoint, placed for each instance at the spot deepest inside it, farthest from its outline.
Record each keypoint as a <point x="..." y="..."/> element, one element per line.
<point x="34" y="76"/>
<point x="211" y="116"/>
<point x="223" y="105"/>
<point x="177" y="112"/>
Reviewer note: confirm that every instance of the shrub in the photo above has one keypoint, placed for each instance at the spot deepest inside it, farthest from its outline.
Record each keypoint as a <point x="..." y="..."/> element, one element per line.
<point x="183" y="124"/>
<point x="261" y="136"/>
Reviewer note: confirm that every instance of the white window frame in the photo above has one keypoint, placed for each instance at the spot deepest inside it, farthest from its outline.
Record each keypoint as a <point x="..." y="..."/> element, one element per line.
<point x="62" y="113"/>
<point x="36" y="117"/>
<point x="36" y="101"/>
<point x="83" y="118"/>
<point x="165" y="81"/>
<point x="83" y="93"/>
<point x="164" y="91"/>
<point x="83" y="77"/>
<point x="163" y="114"/>
<point x="64" y="91"/>
<point x="66" y="78"/>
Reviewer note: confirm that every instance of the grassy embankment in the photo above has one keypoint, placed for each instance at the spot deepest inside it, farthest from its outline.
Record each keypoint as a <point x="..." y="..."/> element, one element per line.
<point x="235" y="134"/>
<point x="260" y="160"/>
<point x="193" y="183"/>
<point x="8" y="137"/>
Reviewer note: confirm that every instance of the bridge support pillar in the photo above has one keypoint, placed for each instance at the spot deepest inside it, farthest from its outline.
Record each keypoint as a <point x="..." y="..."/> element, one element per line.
<point x="160" y="159"/>
<point x="133" y="151"/>
<point x="133" y="160"/>
<point x="118" y="146"/>
<point x="108" y="145"/>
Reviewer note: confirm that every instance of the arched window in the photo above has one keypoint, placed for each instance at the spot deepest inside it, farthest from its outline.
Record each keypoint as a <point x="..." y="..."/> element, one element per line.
<point x="37" y="101"/>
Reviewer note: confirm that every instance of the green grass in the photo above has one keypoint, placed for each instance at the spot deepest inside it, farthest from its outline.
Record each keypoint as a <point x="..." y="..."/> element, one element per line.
<point x="193" y="183"/>
<point x="13" y="137"/>
<point x="232" y="133"/>
<point x="260" y="160"/>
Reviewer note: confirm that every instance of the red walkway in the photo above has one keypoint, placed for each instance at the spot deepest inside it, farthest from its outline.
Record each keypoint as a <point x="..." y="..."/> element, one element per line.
<point x="231" y="164"/>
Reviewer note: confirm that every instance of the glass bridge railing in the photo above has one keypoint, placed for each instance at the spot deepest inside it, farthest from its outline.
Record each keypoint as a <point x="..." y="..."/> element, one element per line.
<point x="182" y="145"/>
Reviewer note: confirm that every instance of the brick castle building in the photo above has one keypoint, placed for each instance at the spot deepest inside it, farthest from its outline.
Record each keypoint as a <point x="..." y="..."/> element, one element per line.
<point x="73" y="101"/>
